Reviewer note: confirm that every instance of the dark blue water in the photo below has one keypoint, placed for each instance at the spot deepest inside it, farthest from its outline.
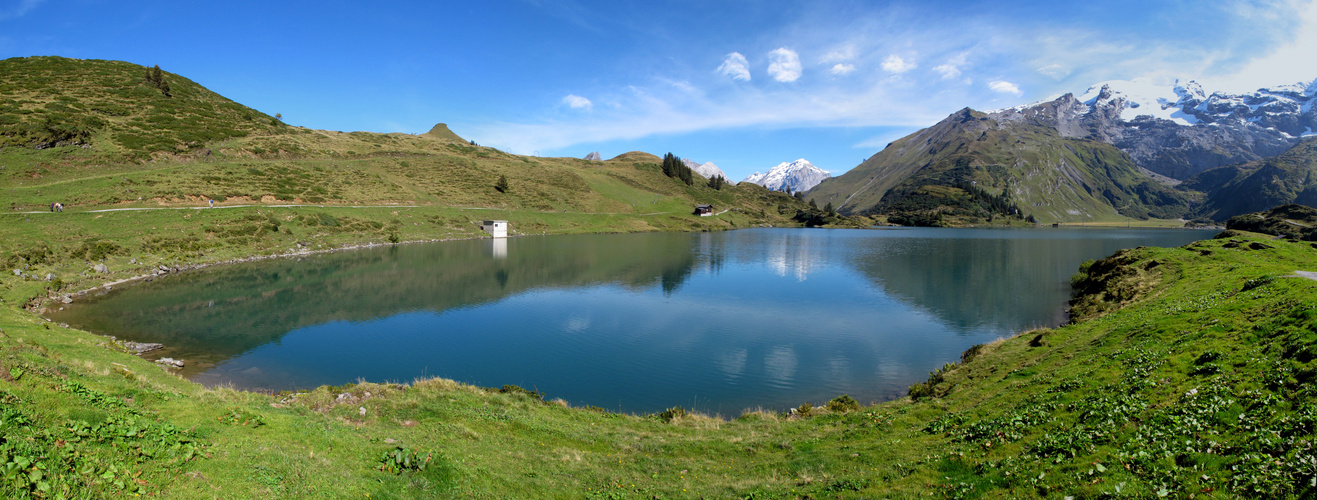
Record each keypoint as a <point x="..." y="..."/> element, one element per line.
<point x="718" y="322"/>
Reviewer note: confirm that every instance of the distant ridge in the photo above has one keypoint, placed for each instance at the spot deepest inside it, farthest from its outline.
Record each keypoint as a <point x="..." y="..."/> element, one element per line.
<point x="799" y="175"/>
<point x="706" y="169"/>
<point x="440" y="131"/>
<point x="595" y="156"/>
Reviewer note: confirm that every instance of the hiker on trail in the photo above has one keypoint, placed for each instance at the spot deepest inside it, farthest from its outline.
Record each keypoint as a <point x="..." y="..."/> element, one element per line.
<point x="59" y="207"/>
<point x="52" y="206"/>
<point x="212" y="203"/>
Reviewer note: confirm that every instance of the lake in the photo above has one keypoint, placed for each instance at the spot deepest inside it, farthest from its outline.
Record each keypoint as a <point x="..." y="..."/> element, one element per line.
<point x="717" y="322"/>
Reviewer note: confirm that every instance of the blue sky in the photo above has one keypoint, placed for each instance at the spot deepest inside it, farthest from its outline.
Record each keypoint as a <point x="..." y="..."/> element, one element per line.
<point x="746" y="85"/>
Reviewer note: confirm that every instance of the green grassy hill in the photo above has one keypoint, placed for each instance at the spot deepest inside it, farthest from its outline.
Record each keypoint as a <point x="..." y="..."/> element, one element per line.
<point x="111" y="108"/>
<point x="1291" y="221"/>
<point x="1290" y="177"/>
<point x="1027" y="162"/>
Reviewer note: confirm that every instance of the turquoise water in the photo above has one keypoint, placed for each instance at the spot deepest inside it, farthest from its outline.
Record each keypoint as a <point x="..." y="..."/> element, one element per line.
<point x="719" y="322"/>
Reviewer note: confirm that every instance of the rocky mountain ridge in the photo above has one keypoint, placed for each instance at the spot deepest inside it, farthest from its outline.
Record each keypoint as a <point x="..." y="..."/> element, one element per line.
<point x="706" y="169"/>
<point x="1180" y="130"/>
<point x="1117" y="149"/>
<point x="799" y="175"/>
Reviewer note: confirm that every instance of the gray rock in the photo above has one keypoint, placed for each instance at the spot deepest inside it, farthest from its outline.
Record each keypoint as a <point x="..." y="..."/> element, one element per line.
<point x="100" y="268"/>
<point x="18" y="272"/>
<point x="50" y="276"/>
<point x="594" y="156"/>
<point x="170" y="362"/>
<point x="139" y="347"/>
<point x="66" y="299"/>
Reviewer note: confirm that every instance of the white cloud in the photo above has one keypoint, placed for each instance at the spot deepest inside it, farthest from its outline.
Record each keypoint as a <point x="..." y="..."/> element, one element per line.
<point x="735" y="66"/>
<point x="23" y="7"/>
<point x="577" y="102"/>
<point x="842" y="69"/>
<point x="1283" y="65"/>
<point x="895" y="64"/>
<point x="1005" y="87"/>
<point x="784" y="65"/>
<point x="947" y="71"/>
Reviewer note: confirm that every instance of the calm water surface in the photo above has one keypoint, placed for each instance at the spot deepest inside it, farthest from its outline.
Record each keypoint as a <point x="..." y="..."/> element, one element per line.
<point x="639" y="322"/>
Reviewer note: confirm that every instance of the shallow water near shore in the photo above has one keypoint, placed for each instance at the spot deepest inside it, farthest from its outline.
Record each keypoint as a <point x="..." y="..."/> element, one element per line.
<point x="716" y="322"/>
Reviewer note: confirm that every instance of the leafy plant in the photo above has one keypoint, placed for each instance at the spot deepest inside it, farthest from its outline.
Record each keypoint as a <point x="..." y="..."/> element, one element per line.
<point x="400" y="460"/>
<point x="241" y="418"/>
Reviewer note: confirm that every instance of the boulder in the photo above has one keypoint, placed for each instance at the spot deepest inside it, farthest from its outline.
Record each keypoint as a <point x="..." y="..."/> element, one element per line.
<point x="170" y="362"/>
<point x="100" y="268"/>
<point x="140" y="347"/>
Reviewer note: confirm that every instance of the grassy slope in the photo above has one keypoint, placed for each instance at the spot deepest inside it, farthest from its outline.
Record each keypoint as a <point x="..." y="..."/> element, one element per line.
<point x="1049" y="176"/>
<point x="1259" y="185"/>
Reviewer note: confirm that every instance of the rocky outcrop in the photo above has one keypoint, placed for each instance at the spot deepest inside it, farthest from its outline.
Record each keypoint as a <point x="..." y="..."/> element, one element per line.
<point x="595" y="156"/>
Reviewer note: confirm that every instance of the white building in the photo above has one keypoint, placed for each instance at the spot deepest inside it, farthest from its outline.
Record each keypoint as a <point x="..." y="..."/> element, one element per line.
<point x="496" y="228"/>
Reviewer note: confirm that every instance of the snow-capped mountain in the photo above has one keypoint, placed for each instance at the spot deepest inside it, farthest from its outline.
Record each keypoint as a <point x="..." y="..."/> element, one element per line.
<point x="1181" y="129"/>
<point x="799" y="175"/>
<point x="707" y="169"/>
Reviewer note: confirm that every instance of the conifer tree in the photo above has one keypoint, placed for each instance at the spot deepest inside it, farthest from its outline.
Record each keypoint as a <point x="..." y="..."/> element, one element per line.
<point x="502" y="184"/>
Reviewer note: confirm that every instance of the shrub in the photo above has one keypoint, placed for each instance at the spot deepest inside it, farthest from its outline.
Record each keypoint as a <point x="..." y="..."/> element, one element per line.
<point x="843" y="403"/>
<point x="513" y="389"/>
<point x="671" y="414"/>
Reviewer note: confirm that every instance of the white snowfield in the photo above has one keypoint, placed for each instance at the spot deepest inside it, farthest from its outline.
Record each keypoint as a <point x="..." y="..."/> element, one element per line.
<point x="799" y="175"/>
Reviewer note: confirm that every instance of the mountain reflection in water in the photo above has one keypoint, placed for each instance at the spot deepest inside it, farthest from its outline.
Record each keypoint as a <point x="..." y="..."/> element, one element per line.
<point x="632" y="322"/>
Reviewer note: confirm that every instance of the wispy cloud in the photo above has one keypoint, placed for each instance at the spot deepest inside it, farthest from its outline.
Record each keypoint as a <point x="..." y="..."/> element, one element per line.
<point x="840" y="69"/>
<point x="577" y="102"/>
<point x="19" y="10"/>
<point x="736" y="66"/>
<point x="784" y="65"/>
<point x="1056" y="71"/>
<point x="839" y="55"/>
<point x="1005" y="87"/>
<point x="896" y="64"/>
<point x="947" y="71"/>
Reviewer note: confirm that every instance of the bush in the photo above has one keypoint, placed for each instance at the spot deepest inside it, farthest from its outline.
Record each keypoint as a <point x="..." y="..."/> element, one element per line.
<point x="513" y="389"/>
<point x="843" y="403"/>
<point x="671" y="414"/>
